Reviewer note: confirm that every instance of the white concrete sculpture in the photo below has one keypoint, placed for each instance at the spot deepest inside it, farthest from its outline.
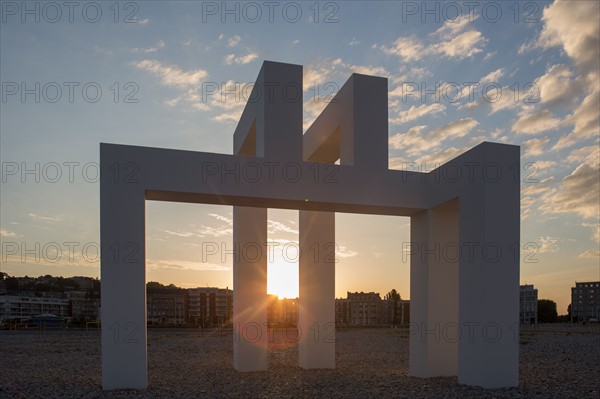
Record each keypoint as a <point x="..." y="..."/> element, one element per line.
<point x="464" y="231"/>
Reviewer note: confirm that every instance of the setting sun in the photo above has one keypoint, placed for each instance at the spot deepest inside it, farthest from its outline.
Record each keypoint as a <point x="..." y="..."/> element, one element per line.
<point x="282" y="279"/>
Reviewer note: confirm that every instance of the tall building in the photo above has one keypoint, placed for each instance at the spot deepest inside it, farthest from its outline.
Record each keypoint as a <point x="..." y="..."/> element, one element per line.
<point x="585" y="301"/>
<point x="210" y="306"/>
<point x="528" y="304"/>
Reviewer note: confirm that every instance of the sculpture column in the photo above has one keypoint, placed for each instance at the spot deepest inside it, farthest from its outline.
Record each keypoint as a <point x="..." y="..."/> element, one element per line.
<point x="489" y="271"/>
<point x="317" y="290"/>
<point x="123" y="289"/>
<point x="250" y="336"/>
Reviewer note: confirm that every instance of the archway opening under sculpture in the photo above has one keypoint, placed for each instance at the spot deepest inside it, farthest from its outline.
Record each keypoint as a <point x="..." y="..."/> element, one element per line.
<point x="464" y="310"/>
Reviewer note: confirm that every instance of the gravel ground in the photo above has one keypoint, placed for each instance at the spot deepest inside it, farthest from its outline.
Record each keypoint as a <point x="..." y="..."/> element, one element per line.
<point x="556" y="362"/>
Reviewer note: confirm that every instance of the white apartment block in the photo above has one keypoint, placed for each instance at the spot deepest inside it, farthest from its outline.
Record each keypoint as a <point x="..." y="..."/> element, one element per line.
<point x="23" y="307"/>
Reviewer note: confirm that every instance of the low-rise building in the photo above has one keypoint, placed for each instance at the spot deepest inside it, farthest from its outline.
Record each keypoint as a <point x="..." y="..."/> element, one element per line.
<point x="282" y="312"/>
<point x="585" y="301"/>
<point x="368" y="309"/>
<point x="167" y="306"/>
<point x="85" y="283"/>
<point x="14" y="307"/>
<point x="85" y="309"/>
<point x="528" y="298"/>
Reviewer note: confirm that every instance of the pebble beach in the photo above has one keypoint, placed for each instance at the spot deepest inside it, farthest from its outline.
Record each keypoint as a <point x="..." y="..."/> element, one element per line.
<point x="556" y="361"/>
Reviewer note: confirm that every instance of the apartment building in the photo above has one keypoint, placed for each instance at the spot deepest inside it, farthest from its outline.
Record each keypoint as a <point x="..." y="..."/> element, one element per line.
<point x="24" y="307"/>
<point x="585" y="301"/>
<point x="528" y="298"/>
<point x="167" y="306"/>
<point x="210" y="305"/>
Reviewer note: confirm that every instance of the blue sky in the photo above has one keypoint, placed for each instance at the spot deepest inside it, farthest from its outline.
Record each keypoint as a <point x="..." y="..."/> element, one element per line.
<point x="528" y="76"/>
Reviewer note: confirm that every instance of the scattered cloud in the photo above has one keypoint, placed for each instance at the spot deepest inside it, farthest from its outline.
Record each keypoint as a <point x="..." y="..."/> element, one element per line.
<point x="279" y="227"/>
<point x="47" y="219"/>
<point x="547" y="244"/>
<point x="243" y="59"/>
<point x="344" y="252"/>
<point x="416" y="142"/>
<point x="233" y="41"/>
<point x="585" y="121"/>
<point x="493" y="76"/>
<point x="535" y="147"/>
<point x="173" y="264"/>
<point x="577" y="193"/>
<point x="172" y="75"/>
<point x="354" y="42"/>
<point x="7" y="233"/>
<point x="416" y="112"/>
<point x="465" y="41"/>
<point x="567" y="24"/>
<point x="159" y="45"/>
<point x="535" y="122"/>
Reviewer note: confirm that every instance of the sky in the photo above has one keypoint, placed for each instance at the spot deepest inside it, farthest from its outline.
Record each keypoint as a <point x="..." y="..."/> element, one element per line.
<point x="176" y="75"/>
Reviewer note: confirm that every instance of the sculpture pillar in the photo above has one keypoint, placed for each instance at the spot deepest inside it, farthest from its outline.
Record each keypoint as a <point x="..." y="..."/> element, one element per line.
<point x="317" y="290"/>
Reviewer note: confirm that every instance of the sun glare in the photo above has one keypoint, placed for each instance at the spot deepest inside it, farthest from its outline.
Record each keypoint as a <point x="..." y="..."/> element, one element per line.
<point x="282" y="279"/>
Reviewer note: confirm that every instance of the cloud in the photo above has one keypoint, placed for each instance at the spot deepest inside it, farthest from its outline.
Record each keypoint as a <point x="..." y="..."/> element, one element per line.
<point x="416" y="112"/>
<point x="354" y="42"/>
<point x="557" y="86"/>
<point x="6" y="233"/>
<point x="595" y="231"/>
<point x="493" y="76"/>
<point x="458" y="128"/>
<point x="578" y="193"/>
<point x="180" y="233"/>
<point x="233" y="41"/>
<point x="535" y="147"/>
<point x="279" y="227"/>
<point x="535" y="122"/>
<point x="547" y="244"/>
<point x="589" y="254"/>
<point x="225" y="219"/>
<point x="177" y="264"/>
<point x="159" y="45"/>
<point x="416" y="141"/>
<point x="171" y="75"/>
<point x="244" y="59"/>
<point x="581" y="154"/>
<point x="407" y="48"/>
<point x="586" y="121"/>
<point x="465" y="42"/>
<point x="573" y="26"/>
<point x="47" y="219"/>
<point x="344" y="252"/>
